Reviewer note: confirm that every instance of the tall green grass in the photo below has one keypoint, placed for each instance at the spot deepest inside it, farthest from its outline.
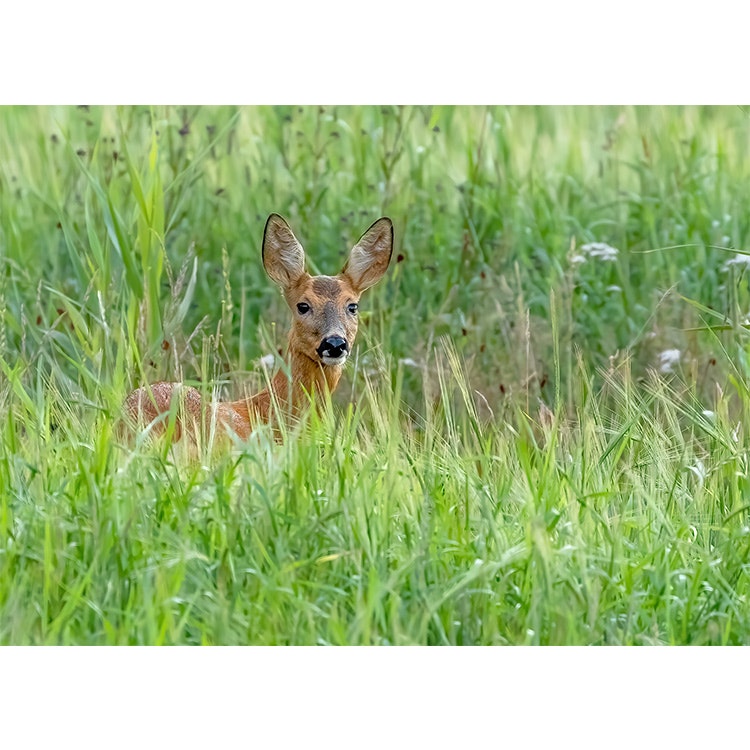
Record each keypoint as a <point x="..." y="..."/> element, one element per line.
<point x="511" y="458"/>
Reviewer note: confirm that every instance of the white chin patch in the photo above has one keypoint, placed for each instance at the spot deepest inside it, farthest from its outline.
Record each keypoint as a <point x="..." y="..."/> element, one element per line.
<point x="333" y="360"/>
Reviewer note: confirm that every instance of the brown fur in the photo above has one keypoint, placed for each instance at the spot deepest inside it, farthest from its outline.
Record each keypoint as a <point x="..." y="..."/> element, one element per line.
<point x="328" y="298"/>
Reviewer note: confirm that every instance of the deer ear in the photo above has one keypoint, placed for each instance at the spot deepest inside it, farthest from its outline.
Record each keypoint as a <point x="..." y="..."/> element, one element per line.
<point x="283" y="256"/>
<point x="369" y="258"/>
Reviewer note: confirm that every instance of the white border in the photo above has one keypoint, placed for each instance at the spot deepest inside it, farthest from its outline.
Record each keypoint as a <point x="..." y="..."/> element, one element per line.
<point x="362" y="698"/>
<point x="579" y="52"/>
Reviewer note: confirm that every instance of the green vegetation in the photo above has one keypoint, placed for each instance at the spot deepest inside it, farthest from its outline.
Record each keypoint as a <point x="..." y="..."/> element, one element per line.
<point x="541" y="439"/>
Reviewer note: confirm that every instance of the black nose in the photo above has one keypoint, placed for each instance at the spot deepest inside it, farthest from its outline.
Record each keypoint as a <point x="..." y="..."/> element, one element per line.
<point x="333" y="347"/>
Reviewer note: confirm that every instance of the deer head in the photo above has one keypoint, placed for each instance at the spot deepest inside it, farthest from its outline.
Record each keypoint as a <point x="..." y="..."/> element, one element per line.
<point x="324" y="308"/>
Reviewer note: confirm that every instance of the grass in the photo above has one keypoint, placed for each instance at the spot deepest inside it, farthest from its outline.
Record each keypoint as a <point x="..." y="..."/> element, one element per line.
<point x="511" y="458"/>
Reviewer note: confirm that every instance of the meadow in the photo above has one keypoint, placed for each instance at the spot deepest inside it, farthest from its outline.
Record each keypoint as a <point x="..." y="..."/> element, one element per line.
<point x="541" y="437"/>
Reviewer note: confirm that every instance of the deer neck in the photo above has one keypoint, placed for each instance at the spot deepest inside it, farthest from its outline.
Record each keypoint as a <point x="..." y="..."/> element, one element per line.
<point x="292" y="387"/>
<point x="305" y="377"/>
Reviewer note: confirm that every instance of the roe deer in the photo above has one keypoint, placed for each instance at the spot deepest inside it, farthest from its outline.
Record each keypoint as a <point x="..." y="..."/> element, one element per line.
<point x="324" y="325"/>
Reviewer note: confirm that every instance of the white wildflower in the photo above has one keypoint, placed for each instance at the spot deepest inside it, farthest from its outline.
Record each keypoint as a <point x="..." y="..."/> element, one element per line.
<point x="668" y="359"/>
<point x="600" y="250"/>
<point x="576" y="260"/>
<point x="267" y="361"/>
<point x="614" y="288"/>
<point x="408" y="362"/>
<point x="715" y="223"/>
<point x="740" y="259"/>
<point x="699" y="470"/>
<point x="726" y="239"/>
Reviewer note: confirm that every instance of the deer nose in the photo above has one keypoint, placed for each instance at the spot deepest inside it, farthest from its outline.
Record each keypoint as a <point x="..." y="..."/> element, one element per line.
<point x="333" y="347"/>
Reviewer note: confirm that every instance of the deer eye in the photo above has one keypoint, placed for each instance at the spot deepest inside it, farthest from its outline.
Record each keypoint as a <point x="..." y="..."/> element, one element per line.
<point x="303" y="308"/>
<point x="352" y="308"/>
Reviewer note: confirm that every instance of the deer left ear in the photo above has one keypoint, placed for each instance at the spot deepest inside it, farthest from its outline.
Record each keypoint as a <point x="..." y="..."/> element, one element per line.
<point x="369" y="258"/>
<point x="283" y="256"/>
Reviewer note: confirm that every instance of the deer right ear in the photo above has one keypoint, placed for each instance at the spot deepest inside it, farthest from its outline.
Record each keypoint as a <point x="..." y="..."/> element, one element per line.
<point x="369" y="258"/>
<point x="283" y="256"/>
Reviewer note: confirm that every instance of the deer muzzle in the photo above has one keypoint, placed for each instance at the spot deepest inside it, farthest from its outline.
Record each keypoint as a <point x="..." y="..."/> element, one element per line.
<point x="333" y="350"/>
